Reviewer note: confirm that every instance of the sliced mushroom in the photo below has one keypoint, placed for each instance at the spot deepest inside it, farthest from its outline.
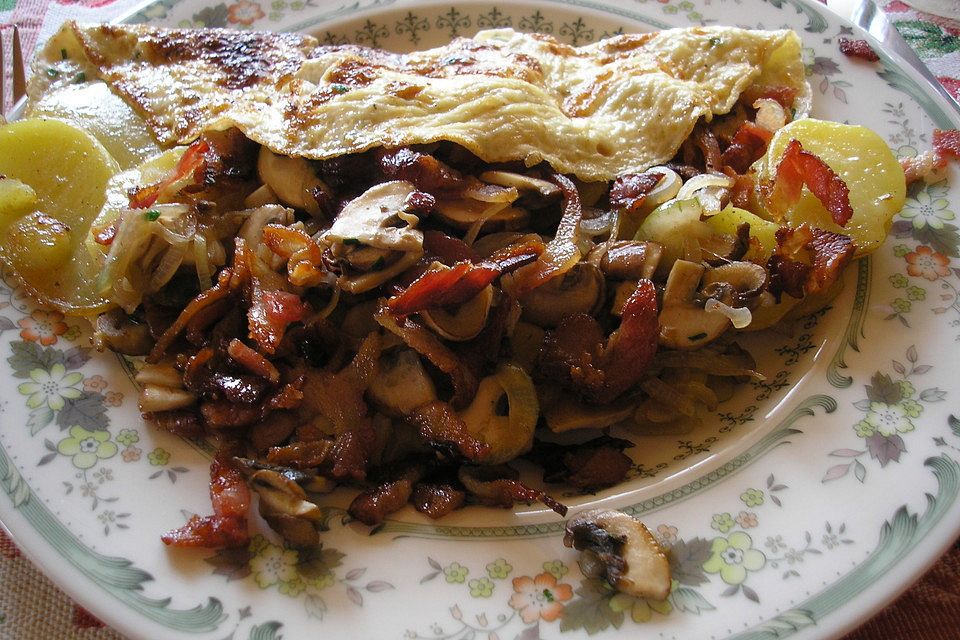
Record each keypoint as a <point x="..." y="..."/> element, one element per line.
<point x="464" y="321"/>
<point x="737" y="284"/>
<point x="504" y="413"/>
<point x="621" y="550"/>
<point x="284" y="505"/>
<point x="401" y="384"/>
<point x="685" y="324"/>
<point x="579" y="290"/>
<point x="118" y="332"/>
<point x="520" y="182"/>
<point x="631" y="259"/>
<point x="291" y="180"/>
<point x="159" y="398"/>
<point x="378" y="218"/>
<point x="376" y="235"/>
<point x="464" y="213"/>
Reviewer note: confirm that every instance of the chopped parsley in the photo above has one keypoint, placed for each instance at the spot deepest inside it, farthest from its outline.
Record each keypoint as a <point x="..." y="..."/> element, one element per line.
<point x="379" y="264"/>
<point x="63" y="54"/>
<point x="350" y="241"/>
<point x="152" y="215"/>
<point x="697" y="336"/>
<point x="340" y="88"/>
<point x="714" y="42"/>
<point x="52" y="73"/>
<point x="80" y="77"/>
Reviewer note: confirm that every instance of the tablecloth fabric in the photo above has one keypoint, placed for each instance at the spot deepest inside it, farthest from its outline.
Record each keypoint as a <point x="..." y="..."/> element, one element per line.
<point x="33" y="608"/>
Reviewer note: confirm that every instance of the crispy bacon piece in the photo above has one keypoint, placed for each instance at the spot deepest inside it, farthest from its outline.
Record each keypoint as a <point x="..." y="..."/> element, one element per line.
<point x="946" y="143"/>
<point x="252" y="361"/>
<point x="210" y="532"/>
<point x="440" y="426"/>
<point x="270" y="313"/>
<point x="304" y="256"/>
<point x="808" y="260"/>
<point x="423" y="170"/>
<point x="437" y="500"/>
<point x="575" y="354"/>
<point x="798" y="167"/>
<point x="498" y="486"/>
<point x="561" y="254"/>
<point x="227" y="527"/>
<point x="372" y="507"/>
<point x="748" y="145"/>
<point x="463" y="281"/>
<point x="302" y="455"/>
<point x="228" y="414"/>
<point x="446" y="249"/>
<point x="211" y="296"/>
<point x="857" y="49"/>
<point x="629" y="191"/>
<point x="590" y="465"/>
<point x="182" y="422"/>
<point x="190" y="169"/>
<point x="229" y="492"/>
<point x="707" y="143"/>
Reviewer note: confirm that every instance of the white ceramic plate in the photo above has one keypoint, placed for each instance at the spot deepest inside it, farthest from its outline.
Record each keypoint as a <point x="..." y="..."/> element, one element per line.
<point x="798" y="509"/>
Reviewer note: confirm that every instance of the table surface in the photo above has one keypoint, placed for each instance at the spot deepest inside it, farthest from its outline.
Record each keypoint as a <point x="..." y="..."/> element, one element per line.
<point x="33" y="608"/>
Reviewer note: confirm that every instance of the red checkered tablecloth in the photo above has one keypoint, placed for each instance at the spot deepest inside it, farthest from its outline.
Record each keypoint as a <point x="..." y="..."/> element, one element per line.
<point x="33" y="608"/>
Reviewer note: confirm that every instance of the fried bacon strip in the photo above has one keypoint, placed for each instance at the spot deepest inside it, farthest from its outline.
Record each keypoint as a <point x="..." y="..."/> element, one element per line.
<point x="946" y="146"/>
<point x="304" y="256"/>
<point x="946" y="143"/>
<point x="423" y="170"/>
<point x="437" y="500"/>
<point x="227" y="527"/>
<point x="629" y="191"/>
<point x="211" y="296"/>
<point x="748" y="145"/>
<point x="190" y="167"/>
<point x="857" y="49"/>
<point x="440" y="426"/>
<point x="463" y="281"/>
<point x="372" y="507"/>
<point x="498" y="486"/>
<point x="576" y="355"/>
<point x="797" y="168"/>
<point x="808" y="260"/>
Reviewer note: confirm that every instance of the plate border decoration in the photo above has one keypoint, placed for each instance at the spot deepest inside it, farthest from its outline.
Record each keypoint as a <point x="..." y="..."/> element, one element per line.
<point x="898" y="535"/>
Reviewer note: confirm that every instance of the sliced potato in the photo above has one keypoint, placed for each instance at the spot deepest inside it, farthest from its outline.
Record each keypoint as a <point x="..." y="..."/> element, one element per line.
<point x="864" y="162"/>
<point x="764" y="231"/>
<point x="68" y="170"/>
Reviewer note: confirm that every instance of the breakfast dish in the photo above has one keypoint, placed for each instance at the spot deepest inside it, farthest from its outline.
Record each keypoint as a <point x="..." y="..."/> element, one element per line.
<point x="351" y="267"/>
<point x="380" y="315"/>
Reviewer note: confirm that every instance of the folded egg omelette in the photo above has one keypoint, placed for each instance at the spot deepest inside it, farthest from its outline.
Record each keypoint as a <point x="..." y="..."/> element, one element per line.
<point x="598" y="111"/>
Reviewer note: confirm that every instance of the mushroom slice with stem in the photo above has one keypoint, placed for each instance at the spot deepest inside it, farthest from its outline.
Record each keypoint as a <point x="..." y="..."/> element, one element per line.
<point x="292" y="181"/>
<point x="579" y="290"/>
<point x="284" y="505"/>
<point x="631" y="259"/>
<point x="520" y="182"/>
<point x="685" y="324"/>
<point x="621" y="550"/>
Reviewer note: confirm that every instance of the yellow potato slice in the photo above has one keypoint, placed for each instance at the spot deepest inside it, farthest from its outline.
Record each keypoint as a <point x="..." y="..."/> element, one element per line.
<point x="764" y="231"/>
<point x="67" y="169"/>
<point x="864" y="161"/>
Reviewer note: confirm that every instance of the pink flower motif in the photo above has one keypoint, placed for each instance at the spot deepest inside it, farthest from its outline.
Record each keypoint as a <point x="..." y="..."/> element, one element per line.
<point x="927" y="263"/>
<point x="667" y="533"/>
<point x="539" y="598"/>
<point x="244" y="12"/>
<point x="95" y="383"/>
<point x="43" y="327"/>
<point x="131" y="454"/>
<point x="747" y="519"/>
<point x="114" y="398"/>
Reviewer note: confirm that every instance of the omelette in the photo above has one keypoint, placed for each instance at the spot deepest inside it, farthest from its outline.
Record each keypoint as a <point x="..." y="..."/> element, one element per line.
<point x="597" y="111"/>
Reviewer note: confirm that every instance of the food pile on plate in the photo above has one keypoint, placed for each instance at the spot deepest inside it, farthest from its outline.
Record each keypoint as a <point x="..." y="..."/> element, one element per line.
<point x="405" y="273"/>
